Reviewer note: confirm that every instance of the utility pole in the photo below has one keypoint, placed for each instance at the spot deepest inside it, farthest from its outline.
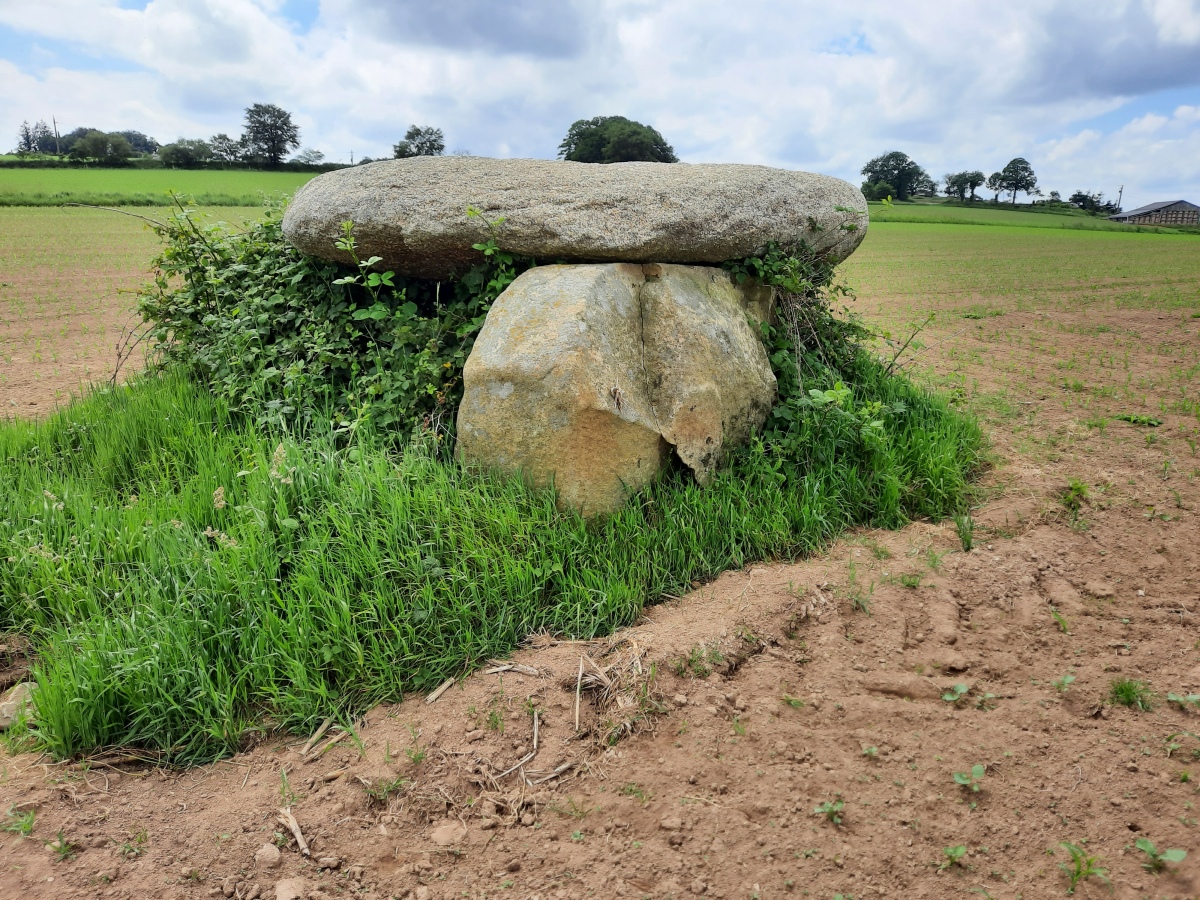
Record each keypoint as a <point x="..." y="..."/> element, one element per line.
<point x="57" y="149"/>
<point x="1120" y="194"/>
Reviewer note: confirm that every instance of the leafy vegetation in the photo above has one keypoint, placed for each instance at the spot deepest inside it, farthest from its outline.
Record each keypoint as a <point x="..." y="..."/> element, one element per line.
<point x="1156" y="860"/>
<point x="288" y="339"/>
<point x="971" y="780"/>
<point x="831" y="810"/>
<point x="952" y="856"/>
<point x="612" y="139"/>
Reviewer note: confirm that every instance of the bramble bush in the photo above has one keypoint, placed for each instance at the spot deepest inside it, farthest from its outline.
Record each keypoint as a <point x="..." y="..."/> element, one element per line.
<point x="286" y="338"/>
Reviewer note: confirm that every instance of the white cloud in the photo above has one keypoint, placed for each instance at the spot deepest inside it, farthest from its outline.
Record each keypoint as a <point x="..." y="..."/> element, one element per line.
<point x="801" y="83"/>
<point x="1178" y="21"/>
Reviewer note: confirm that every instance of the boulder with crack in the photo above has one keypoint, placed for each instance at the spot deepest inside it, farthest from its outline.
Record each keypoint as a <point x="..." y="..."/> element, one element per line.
<point x="586" y="376"/>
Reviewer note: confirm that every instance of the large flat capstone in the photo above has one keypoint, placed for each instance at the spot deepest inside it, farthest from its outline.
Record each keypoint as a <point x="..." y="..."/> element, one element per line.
<point x="412" y="213"/>
<point x="588" y="376"/>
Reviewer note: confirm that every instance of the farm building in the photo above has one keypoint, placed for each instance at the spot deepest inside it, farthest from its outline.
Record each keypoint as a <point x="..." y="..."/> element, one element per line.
<point x="1167" y="212"/>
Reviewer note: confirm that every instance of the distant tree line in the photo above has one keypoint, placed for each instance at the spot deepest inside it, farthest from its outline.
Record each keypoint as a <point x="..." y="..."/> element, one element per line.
<point x="83" y="144"/>
<point x="894" y="175"/>
<point x="268" y="134"/>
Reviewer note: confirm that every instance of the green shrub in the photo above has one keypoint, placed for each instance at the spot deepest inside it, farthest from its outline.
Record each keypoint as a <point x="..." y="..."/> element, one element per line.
<point x="288" y="339"/>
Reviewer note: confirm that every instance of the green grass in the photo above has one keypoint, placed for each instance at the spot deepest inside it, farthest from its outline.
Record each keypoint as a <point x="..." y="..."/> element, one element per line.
<point x="988" y="214"/>
<point x="935" y="266"/>
<point x="142" y="187"/>
<point x="333" y="577"/>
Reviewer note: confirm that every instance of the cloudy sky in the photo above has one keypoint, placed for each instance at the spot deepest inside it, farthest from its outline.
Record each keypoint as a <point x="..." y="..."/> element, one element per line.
<point x="1095" y="93"/>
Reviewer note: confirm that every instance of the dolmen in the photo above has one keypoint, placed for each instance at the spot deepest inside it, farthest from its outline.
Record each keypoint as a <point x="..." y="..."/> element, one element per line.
<point x="633" y="346"/>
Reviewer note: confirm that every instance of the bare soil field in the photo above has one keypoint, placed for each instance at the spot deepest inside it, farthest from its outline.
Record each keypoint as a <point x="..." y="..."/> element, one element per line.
<point x="896" y="718"/>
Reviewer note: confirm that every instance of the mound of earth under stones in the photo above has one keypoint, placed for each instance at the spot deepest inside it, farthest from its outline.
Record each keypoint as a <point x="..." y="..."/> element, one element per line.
<point x="590" y="374"/>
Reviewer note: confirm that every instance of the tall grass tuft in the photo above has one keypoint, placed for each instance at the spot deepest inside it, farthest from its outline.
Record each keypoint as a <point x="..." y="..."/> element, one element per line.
<point x="188" y="578"/>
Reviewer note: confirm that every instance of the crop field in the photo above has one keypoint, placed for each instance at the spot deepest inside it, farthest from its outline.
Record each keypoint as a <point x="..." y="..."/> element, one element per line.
<point x="143" y="187"/>
<point x="66" y="283"/>
<point x="1003" y="703"/>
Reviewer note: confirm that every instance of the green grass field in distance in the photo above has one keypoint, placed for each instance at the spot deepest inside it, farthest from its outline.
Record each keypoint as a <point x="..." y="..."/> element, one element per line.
<point x="902" y="263"/>
<point x="987" y="214"/>
<point x="143" y="187"/>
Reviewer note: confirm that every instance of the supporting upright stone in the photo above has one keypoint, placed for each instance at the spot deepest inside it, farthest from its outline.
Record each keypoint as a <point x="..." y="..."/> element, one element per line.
<point x="587" y="376"/>
<point x="711" y="383"/>
<point x="555" y="387"/>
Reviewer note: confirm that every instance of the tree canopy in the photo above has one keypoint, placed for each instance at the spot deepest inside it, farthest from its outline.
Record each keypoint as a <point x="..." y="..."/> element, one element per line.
<point x="185" y="154"/>
<point x="270" y="133"/>
<point x="960" y="184"/>
<point x="107" y="149"/>
<point x="612" y="139"/>
<point x="897" y="170"/>
<point x="1017" y="177"/>
<point x="36" y="138"/>
<point x="420" y="141"/>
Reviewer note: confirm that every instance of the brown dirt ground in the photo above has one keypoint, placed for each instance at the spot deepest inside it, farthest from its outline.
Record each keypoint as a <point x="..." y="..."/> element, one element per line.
<point x="711" y="780"/>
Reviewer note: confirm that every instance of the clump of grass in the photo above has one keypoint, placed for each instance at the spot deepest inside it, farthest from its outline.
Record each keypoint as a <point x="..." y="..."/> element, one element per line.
<point x="353" y="573"/>
<point x="1074" y="496"/>
<point x="19" y="822"/>
<point x="698" y="662"/>
<point x="1132" y="693"/>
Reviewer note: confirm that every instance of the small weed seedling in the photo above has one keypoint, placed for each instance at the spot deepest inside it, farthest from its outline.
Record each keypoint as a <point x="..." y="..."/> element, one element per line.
<point x="286" y="795"/>
<point x="1136" y="419"/>
<point x="1082" y="867"/>
<point x="972" y="779"/>
<point x="965" y="526"/>
<point x="956" y="693"/>
<point x="698" y="663"/>
<point x="1060" y="620"/>
<point x="379" y="791"/>
<point x="870" y="752"/>
<point x="831" y="810"/>
<point x="632" y="789"/>
<point x="1158" y="859"/>
<point x="986" y="702"/>
<point x="1186" y="701"/>
<point x="414" y="752"/>
<point x="793" y="702"/>
<point x="1129" y="692"/>
<point x="19" y="822"/>
<point x="66" y="850"/>
<point x="1062" y="684"/>
<point x="1074" y="496"/>
<point x="134" y="848"/>
<point x="910" y="581"/>
<point x="952" y="856"/>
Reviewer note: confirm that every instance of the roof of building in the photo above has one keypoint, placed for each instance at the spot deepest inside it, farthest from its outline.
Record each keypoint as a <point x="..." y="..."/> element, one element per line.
<point x="1152" y="207"/>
